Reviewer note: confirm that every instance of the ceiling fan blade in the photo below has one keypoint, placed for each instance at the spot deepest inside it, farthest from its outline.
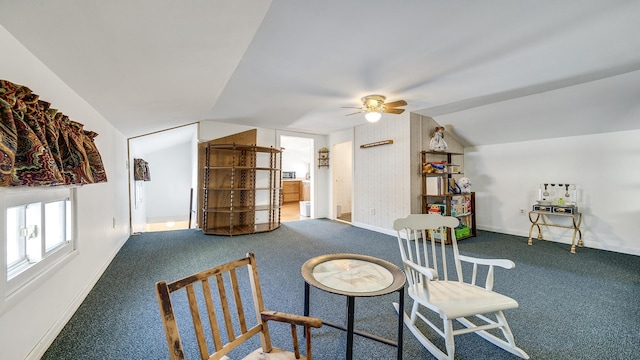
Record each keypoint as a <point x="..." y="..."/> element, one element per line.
<point x="395" y="103"/>
<point x="393" y="111"/>
<point x="352" y="107"/>
<point x="359" y="112"/>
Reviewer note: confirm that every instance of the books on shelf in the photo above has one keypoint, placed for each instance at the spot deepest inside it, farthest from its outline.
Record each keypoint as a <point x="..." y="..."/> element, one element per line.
<point x="436" y="185"/>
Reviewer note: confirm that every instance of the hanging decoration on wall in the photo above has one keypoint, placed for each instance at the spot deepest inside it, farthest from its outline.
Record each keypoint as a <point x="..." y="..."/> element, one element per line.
<point x="40" y="146"/>
<point x="323" y="157"/>
<point x="141" y="170"/>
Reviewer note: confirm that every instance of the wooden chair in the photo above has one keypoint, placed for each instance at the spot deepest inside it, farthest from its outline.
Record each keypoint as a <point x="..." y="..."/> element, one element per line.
<point x="223" y="319"/>
<point x="425" y="264"/>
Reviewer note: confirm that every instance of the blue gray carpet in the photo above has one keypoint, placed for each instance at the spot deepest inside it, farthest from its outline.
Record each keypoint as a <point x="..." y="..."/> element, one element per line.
<point x="572" y="306"/>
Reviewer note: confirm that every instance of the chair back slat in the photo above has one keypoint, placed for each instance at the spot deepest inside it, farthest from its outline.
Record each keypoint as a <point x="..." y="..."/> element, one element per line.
<point x="238" y="299"/>
<point x="197" y="322"/>
<point x="224" y="302"/>
<point x="211" y="310"/>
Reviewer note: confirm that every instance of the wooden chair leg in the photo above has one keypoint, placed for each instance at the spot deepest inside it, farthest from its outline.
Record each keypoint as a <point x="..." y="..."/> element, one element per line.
<point x="294" y="335"/>
<point x="307" y="332"/>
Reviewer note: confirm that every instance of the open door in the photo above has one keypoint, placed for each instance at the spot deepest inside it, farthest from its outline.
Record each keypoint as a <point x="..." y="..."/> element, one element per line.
<point x="248" y="137"/>
<point x="342" y="180"/>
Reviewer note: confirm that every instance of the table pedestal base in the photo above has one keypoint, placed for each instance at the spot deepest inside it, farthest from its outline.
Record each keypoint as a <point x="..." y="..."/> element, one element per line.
<point x="350" y="323"/>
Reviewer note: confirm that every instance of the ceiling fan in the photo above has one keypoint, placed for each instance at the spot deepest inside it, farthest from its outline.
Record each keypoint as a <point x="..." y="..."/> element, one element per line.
<point x="373" y="106"/>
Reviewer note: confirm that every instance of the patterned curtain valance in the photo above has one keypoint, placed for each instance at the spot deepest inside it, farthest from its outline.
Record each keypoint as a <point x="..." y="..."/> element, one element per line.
<point x="141" y="170"/>
<point x="40" y="146"/>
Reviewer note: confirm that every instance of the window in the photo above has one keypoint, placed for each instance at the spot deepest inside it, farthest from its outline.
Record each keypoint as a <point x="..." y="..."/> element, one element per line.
<point x="39" y="225"/>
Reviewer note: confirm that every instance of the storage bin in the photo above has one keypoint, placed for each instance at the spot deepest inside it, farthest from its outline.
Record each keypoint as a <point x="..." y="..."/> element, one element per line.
<point x="462" y="232"/>
<point x="305" y="208"/>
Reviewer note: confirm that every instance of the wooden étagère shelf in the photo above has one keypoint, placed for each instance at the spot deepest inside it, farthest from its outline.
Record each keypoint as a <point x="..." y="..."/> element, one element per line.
<point x="241" y="193"/>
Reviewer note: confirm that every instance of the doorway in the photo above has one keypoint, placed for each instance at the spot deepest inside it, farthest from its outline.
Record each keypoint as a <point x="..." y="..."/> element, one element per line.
<point x="169" y="158"/>
<point x="298" y="177"/>
<point x="342" y="180"/>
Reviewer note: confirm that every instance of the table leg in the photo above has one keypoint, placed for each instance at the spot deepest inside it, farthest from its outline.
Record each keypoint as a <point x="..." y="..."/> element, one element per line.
<point x="577" y="227"/>
<point x="530" y="241"/>
<point x="350" y="316"/>
<point x="534" y="223"/>
<point x="306" y="298"/>
<point x="400" y="321"/>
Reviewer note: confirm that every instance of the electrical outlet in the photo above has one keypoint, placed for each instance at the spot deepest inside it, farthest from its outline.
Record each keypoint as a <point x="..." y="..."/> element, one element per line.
<point x="521" y="211"/>
<point x="372" y="211"/>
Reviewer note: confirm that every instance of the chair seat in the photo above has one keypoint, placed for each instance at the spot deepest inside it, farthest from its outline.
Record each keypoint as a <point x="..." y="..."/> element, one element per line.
<point x="454" y="299"/>
<point x="275" y="354"/>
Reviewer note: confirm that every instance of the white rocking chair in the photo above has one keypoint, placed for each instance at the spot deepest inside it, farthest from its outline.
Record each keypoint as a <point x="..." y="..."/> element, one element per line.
<point x="429" y="285"/>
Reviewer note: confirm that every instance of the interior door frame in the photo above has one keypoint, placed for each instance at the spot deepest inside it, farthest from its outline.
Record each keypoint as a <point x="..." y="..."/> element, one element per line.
<point x="342" y="173"/>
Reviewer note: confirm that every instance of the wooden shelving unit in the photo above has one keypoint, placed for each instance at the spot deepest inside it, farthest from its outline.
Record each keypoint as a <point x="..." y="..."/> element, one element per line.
<point x="465" y="202"/>
<point x="241" y="193"/>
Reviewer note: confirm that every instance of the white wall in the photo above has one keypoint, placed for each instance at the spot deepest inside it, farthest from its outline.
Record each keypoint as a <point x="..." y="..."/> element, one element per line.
<point x="168" y="192"/>
<point x="210" y="130"/>
<point x="39" y="311"/>
<point x="605" y="168"/>
<point x="381" y="173"/>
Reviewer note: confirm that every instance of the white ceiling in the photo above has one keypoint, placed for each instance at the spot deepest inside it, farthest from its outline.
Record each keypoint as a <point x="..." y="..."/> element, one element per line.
<point x="492" y="71"/>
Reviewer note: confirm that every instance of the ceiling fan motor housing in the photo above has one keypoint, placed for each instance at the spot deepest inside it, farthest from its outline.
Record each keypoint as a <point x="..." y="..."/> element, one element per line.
<point x="373" y="103"/>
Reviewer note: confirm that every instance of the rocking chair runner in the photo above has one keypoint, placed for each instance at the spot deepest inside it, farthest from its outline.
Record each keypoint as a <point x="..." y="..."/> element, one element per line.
<point x="231" y="318"/>
<point x="429" y="286"/>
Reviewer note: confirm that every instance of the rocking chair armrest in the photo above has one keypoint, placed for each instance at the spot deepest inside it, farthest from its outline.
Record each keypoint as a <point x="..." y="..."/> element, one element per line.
<point x="428" y="272"/>
<point x="503" y="263"/>
<point x="307" y="321"/>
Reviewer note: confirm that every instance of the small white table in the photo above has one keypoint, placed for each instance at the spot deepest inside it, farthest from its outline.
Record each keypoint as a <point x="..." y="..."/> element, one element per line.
<point x="354" y="275"/>
<point x="541" y="218"/>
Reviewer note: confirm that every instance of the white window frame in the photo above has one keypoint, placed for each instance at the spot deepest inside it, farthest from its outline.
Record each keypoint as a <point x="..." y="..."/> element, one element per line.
<point x="29" y="276"/>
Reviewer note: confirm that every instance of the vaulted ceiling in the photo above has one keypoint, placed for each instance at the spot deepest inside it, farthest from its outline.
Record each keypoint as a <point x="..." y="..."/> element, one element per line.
<point x="491" y="71"/>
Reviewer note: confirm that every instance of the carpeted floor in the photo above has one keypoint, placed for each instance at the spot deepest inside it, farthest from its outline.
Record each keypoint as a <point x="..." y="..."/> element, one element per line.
<point x="572" y="306"/>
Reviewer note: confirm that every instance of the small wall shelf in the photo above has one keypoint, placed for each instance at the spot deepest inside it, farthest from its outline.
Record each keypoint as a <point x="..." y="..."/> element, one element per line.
<point x="323" y="158"/>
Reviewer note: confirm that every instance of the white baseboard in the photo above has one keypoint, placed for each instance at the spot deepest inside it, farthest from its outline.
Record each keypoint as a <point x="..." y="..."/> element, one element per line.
<point x="374" y="228"/>
<point x="587" y="242"/>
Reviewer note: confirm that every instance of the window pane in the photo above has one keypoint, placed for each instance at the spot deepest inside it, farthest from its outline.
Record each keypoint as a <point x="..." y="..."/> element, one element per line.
<point x="15" y="243"/>
<point x="67" y="223"/>
<point x="54" y="224"/>
<point x="33" y="232"/>
<point x="38" y="234"/>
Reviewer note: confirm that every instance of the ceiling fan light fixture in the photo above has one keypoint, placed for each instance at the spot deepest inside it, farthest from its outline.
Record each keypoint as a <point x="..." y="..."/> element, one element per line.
<point x="373" y="116"/>
<point x="373" y="106"/>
